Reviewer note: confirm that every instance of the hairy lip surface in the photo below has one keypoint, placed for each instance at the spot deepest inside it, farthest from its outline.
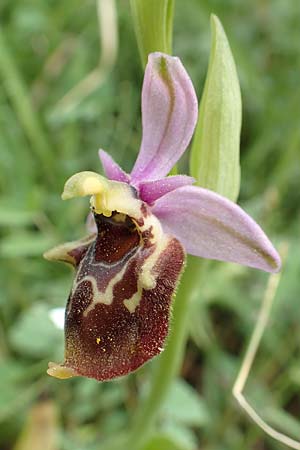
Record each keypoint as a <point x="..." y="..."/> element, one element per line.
<point x="104" y="336"/>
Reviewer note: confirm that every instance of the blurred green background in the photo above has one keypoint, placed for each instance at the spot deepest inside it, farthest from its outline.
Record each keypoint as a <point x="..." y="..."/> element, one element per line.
<point x="49" y="130"/>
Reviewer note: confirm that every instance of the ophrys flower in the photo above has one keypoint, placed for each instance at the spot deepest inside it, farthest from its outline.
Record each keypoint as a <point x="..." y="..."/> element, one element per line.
<point x="127" y="269"/>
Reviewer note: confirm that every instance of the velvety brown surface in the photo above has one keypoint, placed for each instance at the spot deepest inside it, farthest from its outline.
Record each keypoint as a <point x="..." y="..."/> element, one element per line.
<point x="109" y="340"/>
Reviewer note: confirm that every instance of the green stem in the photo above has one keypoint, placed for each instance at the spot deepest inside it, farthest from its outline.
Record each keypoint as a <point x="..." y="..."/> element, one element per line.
<point x="153" y="24"/>
<point x="169" y="362"/>
<point x="16" y="90"/>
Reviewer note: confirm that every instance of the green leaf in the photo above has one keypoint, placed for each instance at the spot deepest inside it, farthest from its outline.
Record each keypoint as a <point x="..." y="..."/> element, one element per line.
<point x="215" y="151"/>
<point x="25" y="244"/>
<point x="15" y="394"/>
<point x="35" y="335"/>
<point x="161" y="442"/>
<point x="12" y="216"/>
<point x="183" y="436"/>
<point x="184" y="405"/>
<point x="283" y="421"/>
<point x="153" y="23"/>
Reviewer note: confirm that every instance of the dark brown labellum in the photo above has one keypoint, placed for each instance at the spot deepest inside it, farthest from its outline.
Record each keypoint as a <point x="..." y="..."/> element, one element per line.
<point x="118" y="311"/>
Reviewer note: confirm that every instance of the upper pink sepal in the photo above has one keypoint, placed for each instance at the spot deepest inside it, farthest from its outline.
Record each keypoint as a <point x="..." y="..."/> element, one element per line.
<point x="169" y="115"/>
<point x="213" y="227"/>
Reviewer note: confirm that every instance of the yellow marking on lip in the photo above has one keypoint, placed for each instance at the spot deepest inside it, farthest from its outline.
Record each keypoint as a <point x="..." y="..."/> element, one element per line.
<point x="98" y="340"/>
<point x="120" y="217"/>
<point x="105" y="297"/>
<point x="108" y="196"/>
<point x="146" y="278"/>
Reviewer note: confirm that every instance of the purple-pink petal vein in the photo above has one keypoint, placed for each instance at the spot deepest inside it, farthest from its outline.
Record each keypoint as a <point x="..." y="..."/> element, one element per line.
<point x="213" y="227"/>
<point x="169" y="115"/>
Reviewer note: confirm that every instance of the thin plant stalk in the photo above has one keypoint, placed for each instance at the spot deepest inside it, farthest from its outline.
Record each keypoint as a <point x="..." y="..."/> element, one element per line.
<point x="108" y="36"/>
<point x="170" y="361"/>
<point x="248" y="360"/>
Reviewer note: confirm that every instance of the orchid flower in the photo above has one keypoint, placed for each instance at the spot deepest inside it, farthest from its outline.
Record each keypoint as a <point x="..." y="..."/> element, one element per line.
<point x="143" y="224"/>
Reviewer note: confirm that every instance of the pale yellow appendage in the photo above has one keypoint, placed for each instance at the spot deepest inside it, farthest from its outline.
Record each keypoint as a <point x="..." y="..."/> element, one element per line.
<point x="107" y="195"/>
<point x="61" y="372"/>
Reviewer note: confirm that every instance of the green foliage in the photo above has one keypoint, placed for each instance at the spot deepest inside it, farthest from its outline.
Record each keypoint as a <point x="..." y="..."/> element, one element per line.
<point x="51" y="47"/>
<point x="35" y="335"/>
<point x="153" y="22"/>
<point x="163" y="443"/>
<point x="194" y="412"/>
<point x="215" y="155"/>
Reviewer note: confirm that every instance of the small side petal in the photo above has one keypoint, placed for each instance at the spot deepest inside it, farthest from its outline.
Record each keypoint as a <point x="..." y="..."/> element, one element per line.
<point x="210" y="226"/>
<point x="111" y="169"/>
<point x="169" y="114"/>
<point x="153" y="190"/>
<point x="70" y="252"/>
